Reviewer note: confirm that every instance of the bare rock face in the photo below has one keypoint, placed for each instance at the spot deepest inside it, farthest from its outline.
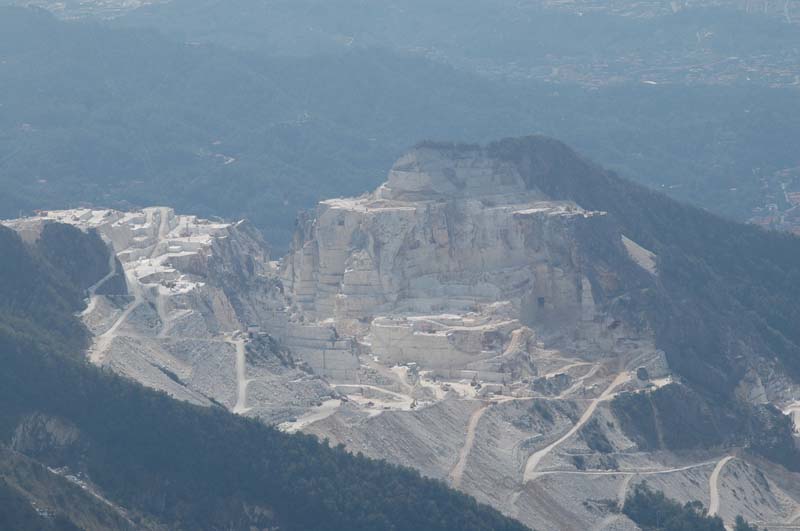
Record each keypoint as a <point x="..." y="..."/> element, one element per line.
<point x="41" y="434"/>
<point x="443" y="263"/>
<point x="196" y="290"/>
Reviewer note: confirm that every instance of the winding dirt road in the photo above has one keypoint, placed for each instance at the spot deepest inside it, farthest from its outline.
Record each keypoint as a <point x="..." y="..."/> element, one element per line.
<point x="241" y="378"/>
<point x="458" y="470"/>
<point x="622" y="491"/>
<point x="112" y="270"/>
<point x="634" y="472"/>
<point x="536" y="457"/>
<point x="713" y="486"/>
<point x="103" y="341"/>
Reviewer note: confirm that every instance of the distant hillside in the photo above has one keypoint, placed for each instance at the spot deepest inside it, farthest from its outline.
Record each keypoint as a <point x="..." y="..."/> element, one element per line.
<point x="119" y="117"/>
<point x="159" y="463"/>
<point x="543" y="39"/>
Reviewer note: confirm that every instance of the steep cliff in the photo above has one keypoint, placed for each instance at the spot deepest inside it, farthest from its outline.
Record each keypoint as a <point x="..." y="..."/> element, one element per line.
<point x="441" y="264"/>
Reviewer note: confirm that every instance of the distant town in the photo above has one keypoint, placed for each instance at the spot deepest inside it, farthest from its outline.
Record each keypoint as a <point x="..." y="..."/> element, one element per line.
<point x="782" y="195"/>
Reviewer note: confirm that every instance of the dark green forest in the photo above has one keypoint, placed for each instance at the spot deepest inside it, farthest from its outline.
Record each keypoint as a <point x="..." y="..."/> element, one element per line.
<point x="18" y="514"/>
<point x="679" y="418"/>
<point x="131" y="117"/>
<point x="183" y="466"/>
<point x="653" y="511"/>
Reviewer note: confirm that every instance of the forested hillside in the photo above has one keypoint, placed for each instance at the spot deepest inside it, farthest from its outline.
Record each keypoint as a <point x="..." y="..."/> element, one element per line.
<point x="132" y="117"/>
<point x="653" y="511"/>
<point x="37" y="300"/>
<point x="163" y="463"/>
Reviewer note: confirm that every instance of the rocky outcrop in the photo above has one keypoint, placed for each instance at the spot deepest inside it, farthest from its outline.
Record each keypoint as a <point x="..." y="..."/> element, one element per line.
<point x="410" y="247"/>
<point x="195" y="290"/>
<point x="40" y="434"/>
<point x="443" y="263"/>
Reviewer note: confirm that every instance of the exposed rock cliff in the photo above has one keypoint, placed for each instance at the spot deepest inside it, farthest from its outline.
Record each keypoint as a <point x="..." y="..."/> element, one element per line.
<point x="444" y="262"/>
<point x="494" y="317"/>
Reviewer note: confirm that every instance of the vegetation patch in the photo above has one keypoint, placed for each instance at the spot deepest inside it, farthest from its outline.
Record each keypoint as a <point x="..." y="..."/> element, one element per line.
<point x="653" y="511"/>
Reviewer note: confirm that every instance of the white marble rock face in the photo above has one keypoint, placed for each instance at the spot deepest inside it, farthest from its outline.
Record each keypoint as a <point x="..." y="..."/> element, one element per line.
<point x="443" y="236"/>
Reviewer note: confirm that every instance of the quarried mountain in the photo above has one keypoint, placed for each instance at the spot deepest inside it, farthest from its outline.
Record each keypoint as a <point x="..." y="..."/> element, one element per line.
<point x="511" y="319"/>
<point x="83" y="448"/>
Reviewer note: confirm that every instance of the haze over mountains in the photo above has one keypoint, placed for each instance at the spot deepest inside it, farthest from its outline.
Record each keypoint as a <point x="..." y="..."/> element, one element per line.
<point x="304" y="265"/>
<point x="347" y="113"/>
<point x="654" y="42"/>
